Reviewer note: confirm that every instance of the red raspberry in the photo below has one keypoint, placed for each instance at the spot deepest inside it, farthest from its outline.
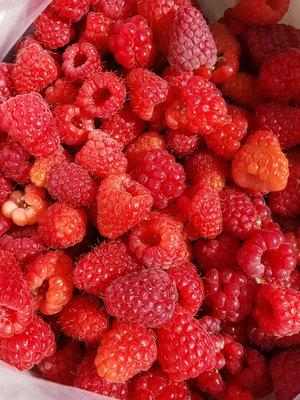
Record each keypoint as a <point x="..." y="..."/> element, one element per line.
<point x="124" y="126"/>
<point x="261" y="12"/>
<point x="233" y="353"/>
<point x="260" y="165"/>
<point x="229" y="294"/>
<point x="277" y="311"/>
<point x="146" y="297"/>
<point x="80" y="61"/>
<point x="30" y="347"/>
<point x="125" y="350"/>
<point x="6" y="187"/>
<point x="101" y="155"/>
<point x="61" y="92"/>
<point x="70" y="183"/>
<point x="156" y="384"/>
<point x="62" y="225"/>
<point x="29" y="121"/>
<point x="83" y="318"/>
<point x="73" y="10"/>
<point x="146" y="92"/>
<point x="210" y="382"/>
<point x="192" y="44"/>
<point x="158" y="172"/>
<point x="97" y="30"/>
<point x="206" y="166"/>
<point x="116" y="9"/>
<point x="177" y="80"/>
<point x="282" y="120"/>
<point x="53" y="31"/>
<point x="239" y="214"/>
<point x="122" y="203"/>
<point x="159" y="242"/>
<point x="87" y="378"/>
<point x="185" y="349"/>
<point x="34" y="69"/>
<point x="16" y="307"/>
<point x="62" y="365"/>
<point x="234" y="392"/>
<point x="132" y="43"/>
<point x="217" y="253"/>
<point x="285" y="371"/>
<point x="6" y="81"/>
<point x="284" y="69"/>
<point x="5" y="224"/>
<point x="102" y="95"/>
<point x="25" y="249"/>
<point x="189" y="286"/>
<point x="50" y="278"/>
<point x="202" y="207"/>
<point x="150" y="140"/>
<point x="181" y="143"/>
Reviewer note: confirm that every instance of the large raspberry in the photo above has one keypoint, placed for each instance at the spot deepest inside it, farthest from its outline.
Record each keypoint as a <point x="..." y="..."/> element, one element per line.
<point x="261" y="12"/>
<point x="71" y="9"/>
<point x="97" y="29"/>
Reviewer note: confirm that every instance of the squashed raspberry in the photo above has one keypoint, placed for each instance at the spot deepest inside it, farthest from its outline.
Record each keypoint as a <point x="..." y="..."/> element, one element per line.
<point x="24" y="248"/>
<point x="61" y="92"/>
<point x="71" y="9"/>
<point x="181" y="144"/>
<point x="261" y="12"/>
<point x="116" y="9"/>
<point x="150" y="140"/>
<point x="97" y="30"/>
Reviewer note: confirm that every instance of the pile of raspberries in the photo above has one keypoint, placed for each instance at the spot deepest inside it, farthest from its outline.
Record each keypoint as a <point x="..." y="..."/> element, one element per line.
<point x="150" y="198"/>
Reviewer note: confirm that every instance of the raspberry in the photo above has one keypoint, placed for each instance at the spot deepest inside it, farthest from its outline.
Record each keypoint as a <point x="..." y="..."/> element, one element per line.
<point x="205" y="166"/>
<point x="53" y="31"/>
<point x="102" y="95"/>
<point x="30" y="347"/>
<point x="80" y="61"/>
<point x="260" y="165"/>
<point x="210" y="382"/>
<point x="159" y="242"/>
<point x="181" y="144"/>
<point x="260" y="12"/>
<point x="146" y="91"/>
<point x="6" y="187"/>
<point x="158" y="172"/>
<point x="284" y="69"/>
<point x="6" y="81"/>
<point x="97" y="269"/>
<point x="70" y="183"/>
<point x="132" y="43"/>
<point x="61" y="92"/>
<point x="156" y="384"/>
<point x="185" y="349"/>
<point x="124" y="126"/>
<point x="101" y="155"/>
<point x="62" y="225"/>
<point x="285" y="371"/>
<point x="150" y="140"/>
<point x="62" y="365"/>
<point x="189" y="286"/>
<point x="73" y="10"/>
<point x="84" y="319"/>
<point x="15" y="300"/>
<point x="87" y="378"/>
<point x="277" y="310"/>
<point x="25" y="249"/>
<point x="229" y="294"/>
<point x="116" y="9"/>
<point x="5" y="224"/>
<point x="239" y="214"/>
<point x="282" y="120"/>
<point x="50" y="278"/>
<point x="234" y="392"/>
<point x="217" y="253"/>
<point x="192" y="44"/>
<point x="29" y="121"/>
<point x="34" y="69"/>
<point x="177" y="80"/>
<point x="122" y="203"/>
<point x="233" y="353"/>
<point x="97" y="30"/>
<point x="125" y="350"/>
<point x="243" y="90"/>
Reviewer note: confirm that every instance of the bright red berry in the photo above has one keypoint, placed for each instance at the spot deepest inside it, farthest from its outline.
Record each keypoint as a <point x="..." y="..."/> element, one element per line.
<point x="210" y="382"/>
<point x="150" y="140"/>
<point x="97" y="30"/>
<point x="73" y="10"/>
<point x="116" y="9"/>
<point x="261" y="12"/>
<point x="6" y="187"/>
<point x="179" y="143"/>
<point x="24" y="248"/>
<point x="61" y="92"/>
<point x="6" y="81"/>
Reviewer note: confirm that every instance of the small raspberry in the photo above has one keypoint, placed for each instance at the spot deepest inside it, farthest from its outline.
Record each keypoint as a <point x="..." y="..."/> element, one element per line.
<point x="185" y="349"/>
<point x="181" y="143"/>
<point x="50" y="278"/>
<point x="6" y="81"/>
<point x="102" y="95"/>
<point x="73" y="10"/>
<point x="146" y="91"/>
<point x="6" y="187"/>
<point x="24" y="248"/>
<point x="30" y="347"/>
<point x="87" y="378"/>
<point x="97" y="30"/>
<point x="189" y="286"/>
<point x="158" y="172"/>
<point x="125" y="350"/>
<point x="261" y="12"/>
<point x="159" y="242"/>
<point x="150" y="140"/>
<point x="132" y="43"/>
<point x="116" y="9"/>
<point x="122" y="203"/>
<point x="34" y="69"/>
<point x="62" y="225"/>
<point x="260" y="165"/>
<point x="284" y="69"/>
<point x="101" y="155"/>
<point x="206" y="166"/>
<point x="61" y="92"/>
<point x="234" y="392"/>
